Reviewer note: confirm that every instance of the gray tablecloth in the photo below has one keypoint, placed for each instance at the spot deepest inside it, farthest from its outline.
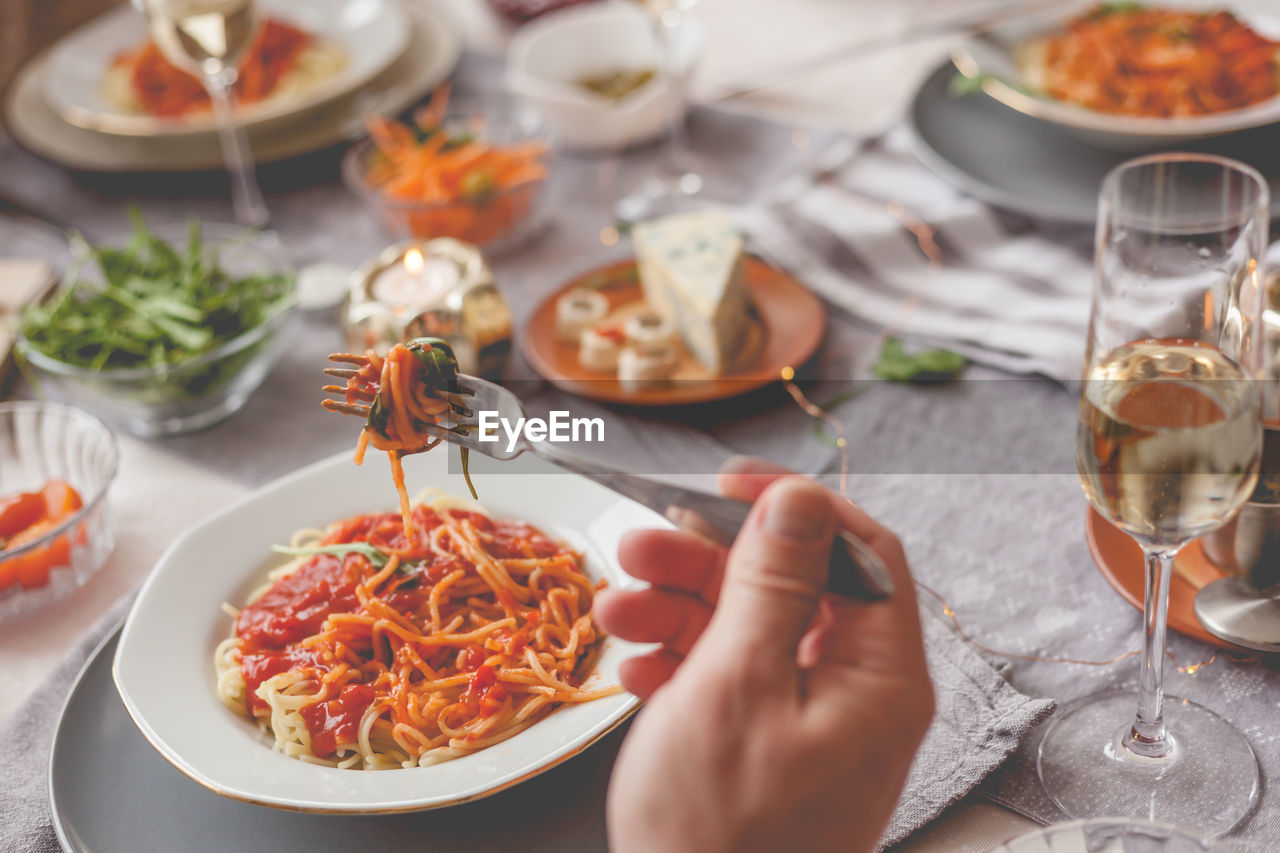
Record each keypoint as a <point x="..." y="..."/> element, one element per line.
<point x="976" y="475"/>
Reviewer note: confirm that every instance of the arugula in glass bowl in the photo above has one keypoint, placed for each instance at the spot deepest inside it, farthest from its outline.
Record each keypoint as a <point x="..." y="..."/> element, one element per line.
<point x="166" y="330"/>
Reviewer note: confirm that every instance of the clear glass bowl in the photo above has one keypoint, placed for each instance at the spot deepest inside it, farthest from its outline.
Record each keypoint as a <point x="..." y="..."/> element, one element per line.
<point x="494" y="221"/>
<point x="40" y="442"/>
<point x="193" y="394"/>
<point x="1111" y="835"/>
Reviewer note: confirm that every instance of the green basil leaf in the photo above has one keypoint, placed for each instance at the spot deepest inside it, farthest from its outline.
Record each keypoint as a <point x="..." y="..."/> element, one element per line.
<point x="934" y="365"/>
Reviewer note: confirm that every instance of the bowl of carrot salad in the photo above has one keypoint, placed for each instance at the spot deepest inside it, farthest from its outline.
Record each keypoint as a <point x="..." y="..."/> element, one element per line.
<point x="477" y="173"/>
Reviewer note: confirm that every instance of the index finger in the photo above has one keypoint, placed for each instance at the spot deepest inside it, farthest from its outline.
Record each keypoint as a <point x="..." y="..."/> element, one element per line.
<point x="675" y="560"/>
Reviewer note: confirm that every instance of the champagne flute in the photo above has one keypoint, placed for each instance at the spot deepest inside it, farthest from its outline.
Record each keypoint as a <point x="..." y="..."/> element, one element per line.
<point x="208" y="38"/>
<point x="680" y="187"/>
<point x="1167" y="448"/>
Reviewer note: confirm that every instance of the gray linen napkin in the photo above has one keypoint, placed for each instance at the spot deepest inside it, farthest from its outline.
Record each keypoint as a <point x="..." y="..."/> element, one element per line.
<point x="29" y="734"/>
<point x="980" y="720"/>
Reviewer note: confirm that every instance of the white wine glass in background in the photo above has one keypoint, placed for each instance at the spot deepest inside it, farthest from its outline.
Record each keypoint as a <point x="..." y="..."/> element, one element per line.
<point x="678" y="186"/>
<point x="1167" y="448"/>
<point x="208" y="38"/>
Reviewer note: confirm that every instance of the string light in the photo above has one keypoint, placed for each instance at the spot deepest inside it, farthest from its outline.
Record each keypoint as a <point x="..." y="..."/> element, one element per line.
<point x="813" y="410"/>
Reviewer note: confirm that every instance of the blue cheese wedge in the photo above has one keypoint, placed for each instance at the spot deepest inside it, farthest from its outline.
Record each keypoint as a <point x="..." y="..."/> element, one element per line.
<point x="691" y="271"/>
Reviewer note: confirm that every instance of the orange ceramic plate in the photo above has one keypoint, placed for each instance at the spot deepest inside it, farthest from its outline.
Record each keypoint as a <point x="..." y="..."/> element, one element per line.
<point x="1120" y="560"/>
<point x="791" y="323"/>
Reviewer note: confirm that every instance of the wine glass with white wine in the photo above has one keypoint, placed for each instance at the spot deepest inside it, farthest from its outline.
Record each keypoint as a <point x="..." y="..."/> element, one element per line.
<point x="208" y="38"/>
<point x="1167" y="449"/>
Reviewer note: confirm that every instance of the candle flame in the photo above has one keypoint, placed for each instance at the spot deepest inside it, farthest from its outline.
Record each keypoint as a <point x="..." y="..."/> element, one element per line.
<point x="413" y="260"/>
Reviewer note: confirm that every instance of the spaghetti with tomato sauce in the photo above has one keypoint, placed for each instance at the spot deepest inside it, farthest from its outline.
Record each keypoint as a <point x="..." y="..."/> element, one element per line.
<point x="1130" y="59"/>
<point x="375" y="649"/>
<point x="282" y="58"/>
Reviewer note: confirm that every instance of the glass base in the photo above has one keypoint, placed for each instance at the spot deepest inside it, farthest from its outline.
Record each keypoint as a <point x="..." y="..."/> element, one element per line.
<point x="665" y="196"/>
<point x="1208" y="781"/>
<point x="149" y="425"/>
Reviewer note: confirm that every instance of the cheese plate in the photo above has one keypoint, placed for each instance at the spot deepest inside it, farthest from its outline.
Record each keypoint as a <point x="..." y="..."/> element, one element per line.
<point x="785" y="326"/>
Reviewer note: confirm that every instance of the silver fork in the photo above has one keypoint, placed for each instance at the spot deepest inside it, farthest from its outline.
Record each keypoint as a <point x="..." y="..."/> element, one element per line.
<point x="855" y="570"/>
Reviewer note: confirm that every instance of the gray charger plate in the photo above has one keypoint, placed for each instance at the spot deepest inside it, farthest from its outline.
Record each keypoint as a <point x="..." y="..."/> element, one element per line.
<point x="1029" y="166"/>
<point x="111" y="791"/>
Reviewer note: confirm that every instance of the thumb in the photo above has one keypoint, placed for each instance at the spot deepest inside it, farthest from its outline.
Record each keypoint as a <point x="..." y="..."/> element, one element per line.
<point x="775" y="575"/>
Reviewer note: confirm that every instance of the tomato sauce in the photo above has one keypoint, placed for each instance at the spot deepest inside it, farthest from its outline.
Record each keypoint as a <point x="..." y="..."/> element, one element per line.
<point x="165" y="90"/>
<point x="484" y="692"/>
<point x="472" y="657"/>
<point x="337" y="721"/>
<point x="297" y="605"/>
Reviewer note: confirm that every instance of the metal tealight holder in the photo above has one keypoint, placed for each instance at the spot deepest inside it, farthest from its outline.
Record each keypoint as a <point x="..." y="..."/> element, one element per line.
<point x="440" y="288"/>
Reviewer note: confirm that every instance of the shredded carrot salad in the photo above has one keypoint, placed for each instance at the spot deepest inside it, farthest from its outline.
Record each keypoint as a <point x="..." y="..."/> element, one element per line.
<point x="1128" y="59"/>
<point x="164" y="90"/>
<point x="447" y="182"/>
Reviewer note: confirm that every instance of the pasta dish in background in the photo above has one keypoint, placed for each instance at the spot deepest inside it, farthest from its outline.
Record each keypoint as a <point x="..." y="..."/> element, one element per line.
<point x="283" y="59"/>
<point x="375" y="650"/>
<point x="1129" y="59"/>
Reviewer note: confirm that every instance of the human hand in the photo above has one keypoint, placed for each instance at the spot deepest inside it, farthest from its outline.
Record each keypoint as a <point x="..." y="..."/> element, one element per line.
<point x="779" y="716"/>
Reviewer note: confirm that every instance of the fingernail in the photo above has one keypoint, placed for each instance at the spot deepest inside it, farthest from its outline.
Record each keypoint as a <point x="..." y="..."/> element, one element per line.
<point x="797" y="511"/>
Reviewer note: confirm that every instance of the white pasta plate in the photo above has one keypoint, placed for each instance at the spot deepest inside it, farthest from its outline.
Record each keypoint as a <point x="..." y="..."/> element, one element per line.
<point x="358" y="39"/>
<point x="997" y="61"/>
<point x="164" y="666"/>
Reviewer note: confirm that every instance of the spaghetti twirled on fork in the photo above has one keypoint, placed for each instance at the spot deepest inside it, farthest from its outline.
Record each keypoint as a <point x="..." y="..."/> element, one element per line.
<point x="399" y="395"/>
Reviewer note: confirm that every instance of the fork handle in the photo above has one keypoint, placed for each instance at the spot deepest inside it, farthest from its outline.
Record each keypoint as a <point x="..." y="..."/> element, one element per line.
<point x="854" y="570"/>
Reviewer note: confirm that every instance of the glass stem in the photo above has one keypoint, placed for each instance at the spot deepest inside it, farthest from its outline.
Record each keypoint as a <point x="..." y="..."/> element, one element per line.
<point x="670" y="25"/>
<point x="1149" y="738"/>
<point x="246" y="198"/>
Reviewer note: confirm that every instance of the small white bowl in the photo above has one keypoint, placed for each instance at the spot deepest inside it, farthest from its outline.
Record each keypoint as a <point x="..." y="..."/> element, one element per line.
<point x="548" y="55"/>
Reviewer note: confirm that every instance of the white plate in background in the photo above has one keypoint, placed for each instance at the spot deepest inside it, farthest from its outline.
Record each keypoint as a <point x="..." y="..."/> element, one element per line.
<point x="432" y="55"/>
<point x="993" y="56"/>
<point x="372" y="34"/>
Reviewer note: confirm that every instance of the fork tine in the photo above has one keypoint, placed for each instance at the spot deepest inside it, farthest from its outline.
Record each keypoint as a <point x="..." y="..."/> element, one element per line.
<point x="362" y="393"/>
<point x="345" y="408"/>
<point x="340" y="372"/>
<point x="349" y="358"/>
<point x="453" y="436"/>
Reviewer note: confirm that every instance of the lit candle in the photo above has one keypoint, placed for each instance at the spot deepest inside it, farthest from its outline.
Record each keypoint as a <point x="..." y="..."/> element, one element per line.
<point x="438" y="288"/>
<point x="415" y="281"/>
